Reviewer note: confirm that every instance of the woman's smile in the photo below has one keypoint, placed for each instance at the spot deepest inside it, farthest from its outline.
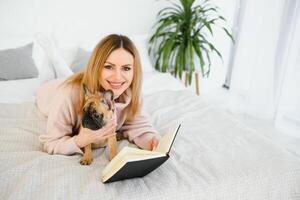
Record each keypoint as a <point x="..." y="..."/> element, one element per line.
<point x="115" y="85"/>
<point x="117" y="73"/>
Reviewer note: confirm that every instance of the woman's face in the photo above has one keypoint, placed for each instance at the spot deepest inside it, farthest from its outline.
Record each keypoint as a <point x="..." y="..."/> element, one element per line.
<point x="117" y="73"/>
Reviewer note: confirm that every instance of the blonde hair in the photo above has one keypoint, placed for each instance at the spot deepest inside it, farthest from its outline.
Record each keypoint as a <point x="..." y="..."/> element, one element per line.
<point x="91" y="74"/>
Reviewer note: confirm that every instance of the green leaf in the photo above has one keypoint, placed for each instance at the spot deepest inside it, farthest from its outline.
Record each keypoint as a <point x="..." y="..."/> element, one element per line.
<point x="182" y="64"/>
<point x="207" y="53"/>
<point x="199" y="54"/>
<point x="222" y="18"/>
<point x="179" y="8"/>
<point x="227" y="32"/>
<point x="178" y="59"/>
<point x="207" y="25"/>
<point x="212" y="47"/>
<point x="168" y="10"/>
<point x="166" y="54"/>
<point x="214" y="9"/>
<point x="191" y="60"/>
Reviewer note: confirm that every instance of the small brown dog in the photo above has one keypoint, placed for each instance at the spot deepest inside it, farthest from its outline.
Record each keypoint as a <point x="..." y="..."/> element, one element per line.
<point x="97" y="110"/>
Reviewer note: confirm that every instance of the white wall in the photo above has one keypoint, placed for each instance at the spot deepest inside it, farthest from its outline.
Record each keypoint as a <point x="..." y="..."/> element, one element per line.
<point x="89" y="20"/>
<point x="81" y="18"/>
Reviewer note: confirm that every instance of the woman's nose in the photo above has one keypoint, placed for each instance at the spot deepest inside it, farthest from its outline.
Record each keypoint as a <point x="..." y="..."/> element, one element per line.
<point x="118" y="74"/>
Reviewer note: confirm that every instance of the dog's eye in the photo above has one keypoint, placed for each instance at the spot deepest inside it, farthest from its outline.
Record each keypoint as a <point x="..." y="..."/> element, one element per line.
<point x="97" y="115"/>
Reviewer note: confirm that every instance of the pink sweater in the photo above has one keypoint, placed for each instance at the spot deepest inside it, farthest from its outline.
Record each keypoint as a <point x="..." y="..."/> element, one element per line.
<point x="58" y="104"/>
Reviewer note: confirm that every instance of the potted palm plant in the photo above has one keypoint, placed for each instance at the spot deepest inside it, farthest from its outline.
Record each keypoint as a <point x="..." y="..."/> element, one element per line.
<point x="182" y="34"/>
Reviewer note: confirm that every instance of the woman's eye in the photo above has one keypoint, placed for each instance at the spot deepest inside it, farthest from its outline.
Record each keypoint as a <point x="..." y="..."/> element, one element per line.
<point x="107" y="66"/>
<point x="127" y="68"/>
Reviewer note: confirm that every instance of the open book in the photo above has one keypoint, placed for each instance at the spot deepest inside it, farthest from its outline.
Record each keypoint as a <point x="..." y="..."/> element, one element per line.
<point x="132" y="162"/>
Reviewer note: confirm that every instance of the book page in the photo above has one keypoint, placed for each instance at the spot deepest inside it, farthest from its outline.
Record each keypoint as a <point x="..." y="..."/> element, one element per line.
<point x="120" y="156"/>
<point x="126" y="152"/>
<point x="166" y="141"/>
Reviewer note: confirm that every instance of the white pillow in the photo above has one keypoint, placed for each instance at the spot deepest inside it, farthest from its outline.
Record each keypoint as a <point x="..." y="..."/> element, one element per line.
<point x="17" y="91"/>
<point x="59" y="58"/>
<point x="46" y="71"/>
<point x="140" y="42"/>
<point x="80" y="60"/>
<point x="66" y="47"/>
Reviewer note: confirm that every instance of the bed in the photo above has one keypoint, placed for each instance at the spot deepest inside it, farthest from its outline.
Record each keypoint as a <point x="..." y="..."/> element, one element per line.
<point x="215" y="155"/>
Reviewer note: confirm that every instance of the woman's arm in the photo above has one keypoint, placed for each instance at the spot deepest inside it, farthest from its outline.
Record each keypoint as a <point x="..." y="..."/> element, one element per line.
<point x="62" y="117"/>
<point x="141" y="132"/>
<point x="58" y="104"/>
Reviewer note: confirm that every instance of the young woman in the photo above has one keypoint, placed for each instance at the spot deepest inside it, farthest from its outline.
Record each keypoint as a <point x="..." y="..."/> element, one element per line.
<point x="114" y="64"/>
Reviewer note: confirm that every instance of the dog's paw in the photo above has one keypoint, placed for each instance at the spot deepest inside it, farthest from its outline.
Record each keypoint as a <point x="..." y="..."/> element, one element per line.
<point x="111" y="156"/>
<point x="85" y="161"/>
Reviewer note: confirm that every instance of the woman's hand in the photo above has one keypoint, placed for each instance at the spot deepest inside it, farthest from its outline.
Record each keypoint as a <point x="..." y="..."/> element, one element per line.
<point x="87" y="136"/>
<point x="153" y="144"/>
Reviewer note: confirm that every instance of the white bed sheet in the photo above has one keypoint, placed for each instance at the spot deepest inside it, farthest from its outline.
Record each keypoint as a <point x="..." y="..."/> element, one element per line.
<point x="157" y="81"/>
<point x="18" y="91"/>
<point x="215" y="156"/>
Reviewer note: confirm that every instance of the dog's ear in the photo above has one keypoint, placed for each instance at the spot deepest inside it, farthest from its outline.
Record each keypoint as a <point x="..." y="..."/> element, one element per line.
<point x="86" y="91"/>
<point x="108" y="95"/>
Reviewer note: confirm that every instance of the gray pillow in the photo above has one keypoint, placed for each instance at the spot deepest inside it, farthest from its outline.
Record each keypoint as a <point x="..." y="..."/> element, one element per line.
<point x="17" y="63"/>
<point x="80" y="60"/>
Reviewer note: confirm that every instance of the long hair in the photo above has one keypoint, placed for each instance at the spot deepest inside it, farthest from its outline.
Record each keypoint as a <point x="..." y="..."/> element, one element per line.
<point x="91" y="74"/>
